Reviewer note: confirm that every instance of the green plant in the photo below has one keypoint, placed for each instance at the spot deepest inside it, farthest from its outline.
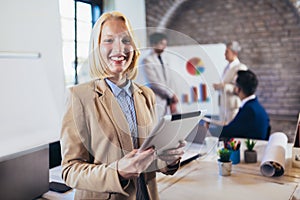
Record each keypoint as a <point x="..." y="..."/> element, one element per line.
<point x="250" y="144"/>
<point x="224" y="155"/>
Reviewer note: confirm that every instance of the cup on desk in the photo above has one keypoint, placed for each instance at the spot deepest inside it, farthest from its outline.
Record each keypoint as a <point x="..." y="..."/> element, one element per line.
<point x="235" y="156"/>
<point x="211" y="144"/>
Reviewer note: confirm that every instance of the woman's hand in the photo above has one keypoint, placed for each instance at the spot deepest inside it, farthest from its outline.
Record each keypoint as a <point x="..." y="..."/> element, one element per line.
<point x="172" y="156"/>
<point x="134" y="163"/>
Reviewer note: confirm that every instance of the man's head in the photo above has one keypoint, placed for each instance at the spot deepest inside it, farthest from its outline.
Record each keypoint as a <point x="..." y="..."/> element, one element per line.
<point x="158" y="41"/>
<point x="232" y="50"/>
<point x="246" y="83"/>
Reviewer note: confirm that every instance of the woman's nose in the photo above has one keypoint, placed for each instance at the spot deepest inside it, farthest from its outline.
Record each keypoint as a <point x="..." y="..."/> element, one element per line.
<point x="118" y="46"/>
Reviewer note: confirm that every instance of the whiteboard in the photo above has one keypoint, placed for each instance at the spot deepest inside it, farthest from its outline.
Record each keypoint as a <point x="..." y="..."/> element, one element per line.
<point x="32" y="87"/>
<point x="213" y="59"/>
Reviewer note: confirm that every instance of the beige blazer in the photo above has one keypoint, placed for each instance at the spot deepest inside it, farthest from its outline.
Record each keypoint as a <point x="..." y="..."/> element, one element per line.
<point x="95" y="134"/>
<point x="229" y="102"/>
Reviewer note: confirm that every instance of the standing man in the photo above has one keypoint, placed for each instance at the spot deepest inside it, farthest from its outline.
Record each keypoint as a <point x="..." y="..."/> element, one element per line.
<point x="229" y="103"/>
<point x="157" y="75"/>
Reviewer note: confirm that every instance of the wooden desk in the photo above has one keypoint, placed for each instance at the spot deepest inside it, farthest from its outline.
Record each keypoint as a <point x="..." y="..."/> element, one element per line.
<point x="200" y="180"/>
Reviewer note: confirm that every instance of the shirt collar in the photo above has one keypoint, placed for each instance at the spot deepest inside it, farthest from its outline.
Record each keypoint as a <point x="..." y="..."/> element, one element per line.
<point x="247" y="99"/>
<point x="235" y="62"/>
<point x="116" y="89"/>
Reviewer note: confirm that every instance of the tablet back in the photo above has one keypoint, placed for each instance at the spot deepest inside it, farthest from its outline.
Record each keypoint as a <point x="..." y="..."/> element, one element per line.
<point x="171" y="130"/>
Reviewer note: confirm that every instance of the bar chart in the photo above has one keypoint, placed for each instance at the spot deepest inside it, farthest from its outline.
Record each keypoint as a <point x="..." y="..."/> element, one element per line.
<point x="197" y="94"/>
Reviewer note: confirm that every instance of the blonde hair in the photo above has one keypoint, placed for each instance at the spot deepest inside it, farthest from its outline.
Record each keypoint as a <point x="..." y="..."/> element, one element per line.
<point x="98" y="68"/>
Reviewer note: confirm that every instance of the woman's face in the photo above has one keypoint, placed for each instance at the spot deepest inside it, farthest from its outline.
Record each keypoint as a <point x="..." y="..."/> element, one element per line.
<point x="116" y="46"/>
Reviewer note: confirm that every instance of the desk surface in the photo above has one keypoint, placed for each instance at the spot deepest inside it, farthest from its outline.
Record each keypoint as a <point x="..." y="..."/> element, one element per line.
<point x="199" y="179"/>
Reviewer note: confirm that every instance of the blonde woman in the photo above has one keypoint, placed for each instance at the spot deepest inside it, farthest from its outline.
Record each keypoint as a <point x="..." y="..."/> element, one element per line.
<point x="107" y="119"/>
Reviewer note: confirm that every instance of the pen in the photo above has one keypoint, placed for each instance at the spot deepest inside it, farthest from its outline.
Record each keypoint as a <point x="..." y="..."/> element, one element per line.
<point x="238" y="145"/>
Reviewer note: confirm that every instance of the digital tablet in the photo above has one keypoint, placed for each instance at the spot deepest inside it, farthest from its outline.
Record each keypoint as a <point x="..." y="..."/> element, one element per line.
<point x="171" y="130"/>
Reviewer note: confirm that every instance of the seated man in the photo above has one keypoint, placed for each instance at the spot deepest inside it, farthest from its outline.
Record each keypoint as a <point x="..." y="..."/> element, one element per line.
<point x="251" y="121"/>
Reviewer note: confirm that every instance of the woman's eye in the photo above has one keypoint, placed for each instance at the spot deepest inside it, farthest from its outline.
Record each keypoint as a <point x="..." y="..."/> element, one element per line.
<point x="108" y="40"/>
<point x="126" y="41"/>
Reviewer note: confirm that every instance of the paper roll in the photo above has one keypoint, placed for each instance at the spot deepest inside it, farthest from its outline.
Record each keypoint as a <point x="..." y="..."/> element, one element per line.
<point x="273" y="161"/>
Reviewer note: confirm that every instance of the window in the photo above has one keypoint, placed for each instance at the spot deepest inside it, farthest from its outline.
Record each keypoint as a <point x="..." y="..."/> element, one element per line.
<point x="77" y="19"/>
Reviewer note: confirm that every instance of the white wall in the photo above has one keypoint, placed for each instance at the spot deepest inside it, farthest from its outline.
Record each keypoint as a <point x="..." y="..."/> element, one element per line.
<point x="32" y="88"/>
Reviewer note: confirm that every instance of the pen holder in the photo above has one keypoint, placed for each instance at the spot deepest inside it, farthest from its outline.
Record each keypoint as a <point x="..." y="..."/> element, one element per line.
<point x="235" y="157"/>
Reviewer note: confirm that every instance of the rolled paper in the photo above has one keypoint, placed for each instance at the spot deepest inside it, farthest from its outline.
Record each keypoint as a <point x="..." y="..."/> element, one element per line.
<point x="273" y="161"/>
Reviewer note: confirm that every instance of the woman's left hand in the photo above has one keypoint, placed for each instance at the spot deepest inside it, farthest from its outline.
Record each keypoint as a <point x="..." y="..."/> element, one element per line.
<point x="172" y="156"/>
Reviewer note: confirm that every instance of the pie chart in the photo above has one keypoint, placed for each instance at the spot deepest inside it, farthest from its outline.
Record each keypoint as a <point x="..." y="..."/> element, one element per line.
<point x="195" y="66"/>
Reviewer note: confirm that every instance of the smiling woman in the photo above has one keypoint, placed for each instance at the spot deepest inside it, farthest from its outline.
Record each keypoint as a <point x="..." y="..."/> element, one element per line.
<point x="116" y="47"/>
<point x="116" y="43"/>
<point x="107" y="120"/>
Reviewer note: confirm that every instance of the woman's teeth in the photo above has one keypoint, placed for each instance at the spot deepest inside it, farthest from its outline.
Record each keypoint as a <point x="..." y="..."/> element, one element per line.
<point x="117" y="58"/>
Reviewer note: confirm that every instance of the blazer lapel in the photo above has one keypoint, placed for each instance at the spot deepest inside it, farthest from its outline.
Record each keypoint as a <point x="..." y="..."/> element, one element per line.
<point x="143" y="116"/>
<point x="113" y="110"/>
<point x="158" y="67"/>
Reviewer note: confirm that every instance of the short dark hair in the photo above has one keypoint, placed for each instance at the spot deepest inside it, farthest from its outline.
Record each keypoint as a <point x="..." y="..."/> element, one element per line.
<point x="157" y="37"/>
<point x="247" y="81"/>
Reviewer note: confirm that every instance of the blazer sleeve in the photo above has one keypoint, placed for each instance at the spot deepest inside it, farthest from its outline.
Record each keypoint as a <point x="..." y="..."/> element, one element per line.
<point x="154" y="82"/>
<point x="78" y="171"/>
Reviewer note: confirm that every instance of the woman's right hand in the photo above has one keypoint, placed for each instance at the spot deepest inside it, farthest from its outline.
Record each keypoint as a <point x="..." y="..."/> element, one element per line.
<point x="134" y="163"/>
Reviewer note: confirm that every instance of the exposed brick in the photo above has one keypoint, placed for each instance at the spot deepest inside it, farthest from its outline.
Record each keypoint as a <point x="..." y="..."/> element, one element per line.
<point x="268" y="30"/>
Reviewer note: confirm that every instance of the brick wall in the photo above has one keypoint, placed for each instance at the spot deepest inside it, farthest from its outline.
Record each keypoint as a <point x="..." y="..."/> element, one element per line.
<point x="269" y="32"/>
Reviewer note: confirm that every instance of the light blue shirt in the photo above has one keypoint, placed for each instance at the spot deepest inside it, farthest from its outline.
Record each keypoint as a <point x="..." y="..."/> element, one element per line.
<point x="127" y="105"/>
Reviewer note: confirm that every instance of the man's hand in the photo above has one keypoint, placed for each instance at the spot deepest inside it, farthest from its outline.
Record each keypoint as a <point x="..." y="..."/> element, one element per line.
<point x="173" y="108"/>
<point x="134" y="163"/>
<point x="174" y="99"/>
<point x="173" y="104"/>
<point x="218" y="86"/>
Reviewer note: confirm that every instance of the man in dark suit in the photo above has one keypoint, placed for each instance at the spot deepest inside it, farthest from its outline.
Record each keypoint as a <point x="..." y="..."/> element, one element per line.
<point x="251" y="121"/>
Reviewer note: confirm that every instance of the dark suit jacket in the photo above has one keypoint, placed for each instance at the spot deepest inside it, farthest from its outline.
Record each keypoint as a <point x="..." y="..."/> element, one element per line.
<point x="251" y="121"/>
